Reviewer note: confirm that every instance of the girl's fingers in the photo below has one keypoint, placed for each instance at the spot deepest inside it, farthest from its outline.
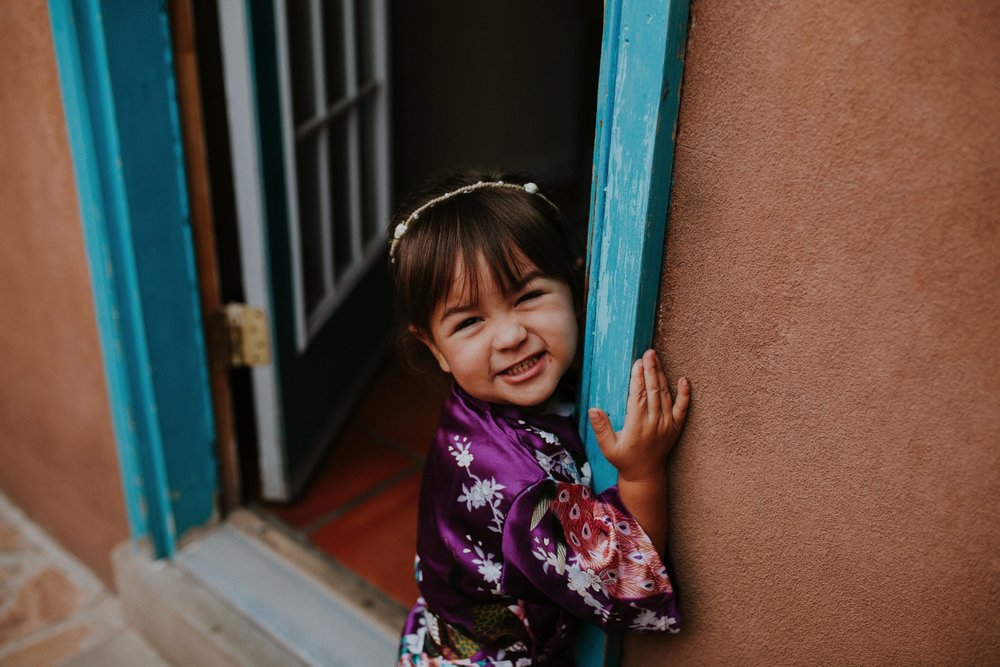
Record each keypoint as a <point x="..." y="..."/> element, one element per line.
<point x="655" y="390"/>
<point x="663" y="405"/>
<point x="660" y="380"/>
<point x="636" y="384"/>
<point x="636" y="387"/>
<point x="679" y="411"/>
<point x="603" y="431"/>
<point x="636" y="394"/>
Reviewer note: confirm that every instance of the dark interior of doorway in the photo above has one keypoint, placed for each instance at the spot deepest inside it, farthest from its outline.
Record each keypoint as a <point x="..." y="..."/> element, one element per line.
<point x="361" y="508"/>
<point x="508" y="85"/>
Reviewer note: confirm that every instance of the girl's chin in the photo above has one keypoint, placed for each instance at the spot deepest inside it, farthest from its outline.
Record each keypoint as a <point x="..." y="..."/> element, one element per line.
<point x="534" y="399"/>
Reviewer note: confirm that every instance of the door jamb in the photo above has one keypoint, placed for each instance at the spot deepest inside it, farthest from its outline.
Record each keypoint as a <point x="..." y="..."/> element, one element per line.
<point x="197" y="171"/>
<point x="116" y="74"/>
<point x="642" y="62"/>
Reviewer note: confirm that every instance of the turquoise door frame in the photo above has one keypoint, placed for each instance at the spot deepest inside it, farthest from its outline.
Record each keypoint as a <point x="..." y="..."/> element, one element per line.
<point x="642" y="63"/>
<point x="116" y="73"/>
<point x="115" y="65"/>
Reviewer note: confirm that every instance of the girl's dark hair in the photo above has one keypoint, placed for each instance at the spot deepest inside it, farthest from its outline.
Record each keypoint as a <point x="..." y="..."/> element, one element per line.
<point x="511" y="229"/>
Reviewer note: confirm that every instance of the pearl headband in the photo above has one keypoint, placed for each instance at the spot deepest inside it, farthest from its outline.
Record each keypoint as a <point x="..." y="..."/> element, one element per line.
<point x="402" y="227"/>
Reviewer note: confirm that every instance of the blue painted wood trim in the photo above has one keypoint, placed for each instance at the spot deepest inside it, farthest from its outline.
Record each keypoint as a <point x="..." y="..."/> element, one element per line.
<point x="642" y="62"/>
<point x="116" y="73"/>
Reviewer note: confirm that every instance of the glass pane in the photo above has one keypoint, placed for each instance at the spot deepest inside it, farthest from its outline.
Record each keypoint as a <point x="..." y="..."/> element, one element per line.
<point x="310" y="219"/>
<point x="300" y="61"/>
<point x="372" y="226"/>
<point x="363" y="41"/>
<point x="333" y="50"/>
<point x="340" y="194"/>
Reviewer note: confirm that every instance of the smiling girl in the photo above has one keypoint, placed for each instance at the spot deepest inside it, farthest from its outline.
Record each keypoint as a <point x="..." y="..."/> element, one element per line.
<point x="513" y="547"/>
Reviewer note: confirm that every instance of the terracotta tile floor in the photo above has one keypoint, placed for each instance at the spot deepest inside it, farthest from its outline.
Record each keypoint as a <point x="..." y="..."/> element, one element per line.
<point x="361" y="507"/>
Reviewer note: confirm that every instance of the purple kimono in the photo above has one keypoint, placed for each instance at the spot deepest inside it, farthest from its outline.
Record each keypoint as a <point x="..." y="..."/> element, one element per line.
<point x="513" y="547"/>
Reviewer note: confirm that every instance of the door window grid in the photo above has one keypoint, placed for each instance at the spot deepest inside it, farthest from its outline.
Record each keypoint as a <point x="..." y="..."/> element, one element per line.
<point x="333" y="64"/>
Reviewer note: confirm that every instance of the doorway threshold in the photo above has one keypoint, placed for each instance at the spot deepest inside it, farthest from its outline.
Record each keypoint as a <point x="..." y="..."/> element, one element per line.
<point x="244" y="593"/>
<point x="360" y="509"/>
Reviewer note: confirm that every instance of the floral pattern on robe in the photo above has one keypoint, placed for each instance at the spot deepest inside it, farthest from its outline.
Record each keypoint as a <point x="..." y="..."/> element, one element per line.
<point x="514" y="548"/>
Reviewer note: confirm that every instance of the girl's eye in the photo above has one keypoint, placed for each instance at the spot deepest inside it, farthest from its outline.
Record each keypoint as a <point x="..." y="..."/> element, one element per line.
<point x="466" y="323"/>
<point x="528" y="296"/>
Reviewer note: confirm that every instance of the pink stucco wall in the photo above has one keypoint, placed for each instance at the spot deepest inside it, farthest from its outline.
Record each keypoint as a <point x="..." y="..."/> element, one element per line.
<point x="57" y="449"/>
<point x="832" y="287"/>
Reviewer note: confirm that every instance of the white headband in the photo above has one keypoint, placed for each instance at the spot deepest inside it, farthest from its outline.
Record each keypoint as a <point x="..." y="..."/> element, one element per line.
<point x="401" y="228"/>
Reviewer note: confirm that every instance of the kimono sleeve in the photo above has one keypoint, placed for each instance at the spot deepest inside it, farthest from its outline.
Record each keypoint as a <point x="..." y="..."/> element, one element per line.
<point x="586" y="554"/>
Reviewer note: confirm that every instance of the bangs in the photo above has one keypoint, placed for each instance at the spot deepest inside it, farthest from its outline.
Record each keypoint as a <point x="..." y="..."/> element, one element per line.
<point x="465" y="278"/>
<point x="490" y="247"/>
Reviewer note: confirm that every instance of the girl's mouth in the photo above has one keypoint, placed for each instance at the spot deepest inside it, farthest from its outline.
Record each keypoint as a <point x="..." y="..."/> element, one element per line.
<point x="523" y="369"/>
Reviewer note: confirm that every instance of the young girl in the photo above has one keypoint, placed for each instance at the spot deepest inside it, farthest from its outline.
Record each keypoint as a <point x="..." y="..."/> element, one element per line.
<point x="512" y="546"/>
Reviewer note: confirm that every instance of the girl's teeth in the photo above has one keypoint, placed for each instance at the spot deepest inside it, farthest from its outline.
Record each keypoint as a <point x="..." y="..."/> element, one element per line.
<point x="523" y="366"/>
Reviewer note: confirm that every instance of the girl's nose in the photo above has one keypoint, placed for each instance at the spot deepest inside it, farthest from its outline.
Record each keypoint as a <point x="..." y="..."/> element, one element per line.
<point x="509" y="333"/>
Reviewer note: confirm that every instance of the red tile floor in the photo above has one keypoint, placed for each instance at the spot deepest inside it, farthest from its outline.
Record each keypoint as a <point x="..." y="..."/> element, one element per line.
<point x="361" y="507"/>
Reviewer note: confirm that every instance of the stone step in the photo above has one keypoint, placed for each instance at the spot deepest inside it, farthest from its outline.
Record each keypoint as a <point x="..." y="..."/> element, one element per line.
<point x="53" y="609"/>
<point x="228" y="599"/>
<point x="126" y="649"/>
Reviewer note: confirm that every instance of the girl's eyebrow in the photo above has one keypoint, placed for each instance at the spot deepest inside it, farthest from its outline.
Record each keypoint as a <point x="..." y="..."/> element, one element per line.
<point x="472" y="305"/>
<point x="458" y="308"/>
<point x="519" y="285"/>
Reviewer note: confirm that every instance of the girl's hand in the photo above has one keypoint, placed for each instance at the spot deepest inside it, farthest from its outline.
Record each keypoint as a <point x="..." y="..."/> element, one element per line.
<point x="652" y="422"/>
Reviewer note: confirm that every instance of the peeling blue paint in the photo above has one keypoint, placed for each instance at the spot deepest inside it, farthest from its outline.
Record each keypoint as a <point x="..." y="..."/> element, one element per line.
<point x="119" y="97"/>
<point x="642" y="56"/>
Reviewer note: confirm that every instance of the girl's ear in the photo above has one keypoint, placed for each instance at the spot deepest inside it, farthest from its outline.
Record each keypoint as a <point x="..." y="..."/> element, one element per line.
<point x="427" y="340"/>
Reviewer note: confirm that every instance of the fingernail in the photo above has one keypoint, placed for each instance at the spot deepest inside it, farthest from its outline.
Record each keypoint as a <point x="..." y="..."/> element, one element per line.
<point x="593" y="413"/>
<point x="684" y="382"/>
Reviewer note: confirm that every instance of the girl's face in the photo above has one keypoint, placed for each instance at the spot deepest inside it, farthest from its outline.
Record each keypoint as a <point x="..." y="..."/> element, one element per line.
<point x="505" y="347"/>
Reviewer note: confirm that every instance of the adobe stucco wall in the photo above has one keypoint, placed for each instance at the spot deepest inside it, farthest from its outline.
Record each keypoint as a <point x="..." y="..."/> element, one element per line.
<point x="57" y="451"/>
<point x="832" y="287"/>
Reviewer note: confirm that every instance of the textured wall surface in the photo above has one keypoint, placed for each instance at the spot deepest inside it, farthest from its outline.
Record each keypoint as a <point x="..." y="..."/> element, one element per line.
<point x="832" y="287"/>
<point x="57" y="449"/>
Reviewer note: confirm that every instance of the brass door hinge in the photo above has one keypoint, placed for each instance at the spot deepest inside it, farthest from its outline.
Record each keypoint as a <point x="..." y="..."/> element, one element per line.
<point x="237" y="336"/>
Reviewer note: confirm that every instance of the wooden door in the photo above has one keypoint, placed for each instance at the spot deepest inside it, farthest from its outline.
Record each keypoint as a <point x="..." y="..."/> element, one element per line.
<point x="307" y="101"/>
